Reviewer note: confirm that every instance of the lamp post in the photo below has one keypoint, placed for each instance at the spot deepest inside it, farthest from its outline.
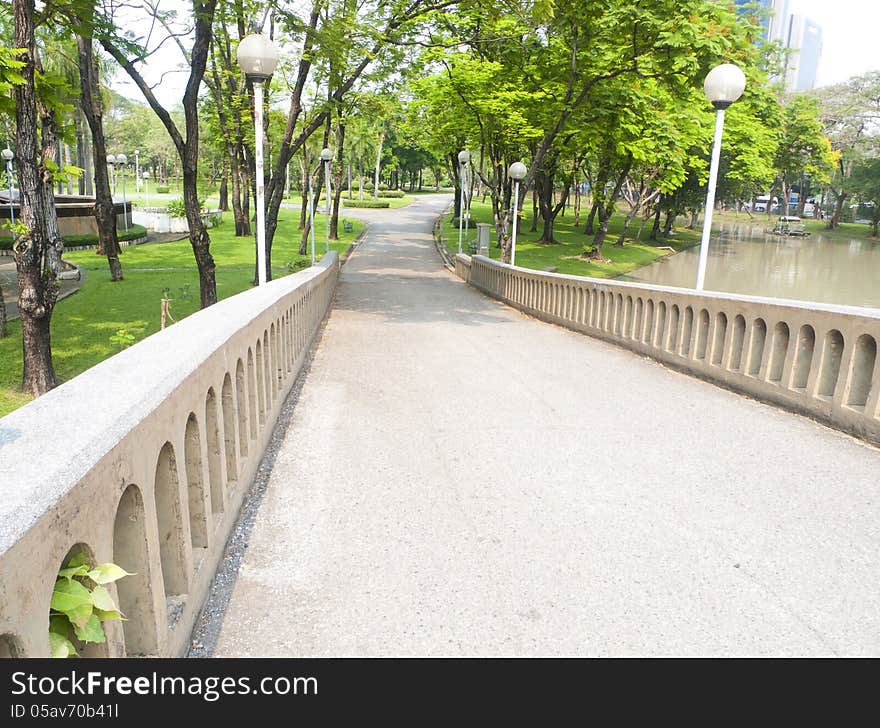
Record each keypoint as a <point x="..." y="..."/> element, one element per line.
<point x="517" y="173"/>
<point x="464" y="156"/>
<point x="121" y="161"/>
<point x="8" y="156"/>
<point x="258" y="56"/>
<point x="111" y="162"/>
<point x="311" y="216"/>
<point x="146" y="177"/>
<point x="724" y="84"/>
<point x="137" y="170"/>
<point x="326" y="156"/>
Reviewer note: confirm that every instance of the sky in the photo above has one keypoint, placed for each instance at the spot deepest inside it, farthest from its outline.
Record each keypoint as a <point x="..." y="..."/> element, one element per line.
<point x="849" y="36"/>
<point x="849" y="46"/>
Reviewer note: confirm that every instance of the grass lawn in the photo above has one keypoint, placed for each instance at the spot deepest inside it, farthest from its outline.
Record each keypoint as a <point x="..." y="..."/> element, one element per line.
<point x="564" y="255"/>
<point x="83" y="323"/>
<point x="212" y="200"/>
<point x="846" y="232"/>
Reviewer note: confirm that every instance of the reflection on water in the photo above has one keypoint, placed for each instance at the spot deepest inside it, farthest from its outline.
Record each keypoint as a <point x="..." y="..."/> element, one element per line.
<point x="745" y="259"/>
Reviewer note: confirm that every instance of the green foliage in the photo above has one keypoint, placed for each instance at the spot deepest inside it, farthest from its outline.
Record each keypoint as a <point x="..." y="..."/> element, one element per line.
<point x="163" y="189"/>
<point x="10" y="77"/>
<point x="134" y="232"/>
<point x="81" y="603"/>
<point x="177" y="208"/>
<point x="123" y="338"/>
<point x="372" y="204"/>
<point x="392" y="193"/>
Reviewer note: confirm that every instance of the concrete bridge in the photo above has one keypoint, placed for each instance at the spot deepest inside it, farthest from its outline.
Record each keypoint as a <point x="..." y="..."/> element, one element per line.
<point x="450" y="476"/>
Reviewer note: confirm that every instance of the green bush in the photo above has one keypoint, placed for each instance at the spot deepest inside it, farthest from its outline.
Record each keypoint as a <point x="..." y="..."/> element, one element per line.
<point x="392" y="193"/>
<point x="374" y="204"/>
<point x="163" y="189"/>
<point x="176" y="208"/>
<point x="74" y="241"/>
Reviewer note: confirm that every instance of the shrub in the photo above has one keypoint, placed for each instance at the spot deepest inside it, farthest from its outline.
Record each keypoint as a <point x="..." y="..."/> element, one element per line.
<point x="392" y="193"/>
<point x="163" y="189"/>
<point x="177" y="208"/>
<point x="81" y="603"/>
<point x="376" y="204"/>
<point x="74" y="241"/>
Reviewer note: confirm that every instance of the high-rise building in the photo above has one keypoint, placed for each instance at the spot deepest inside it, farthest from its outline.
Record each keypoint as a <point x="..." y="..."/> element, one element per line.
<point x="803" y="40"/>
<point x="771" y="14"/>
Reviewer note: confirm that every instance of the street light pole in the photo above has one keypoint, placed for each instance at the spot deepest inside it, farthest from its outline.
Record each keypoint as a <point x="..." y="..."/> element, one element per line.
<point x="326" y="156"/>
<point x="261" y="211"/>
<point x="258" y="56"/>
<point x="111" y="161"/>
<point x="517" y="173"/>
<point x="464" y="157"/>
<point x="146" y="176"/>
<point x="8" y="156"/>
<point x="137" y="170"/>
<point x="724" y="84"/>
<point x="312" y="216"/>
<point x="122" y="160"/>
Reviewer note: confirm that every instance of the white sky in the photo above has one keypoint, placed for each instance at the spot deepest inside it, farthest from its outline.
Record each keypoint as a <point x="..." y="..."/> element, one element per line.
<point x="850" y="36"/>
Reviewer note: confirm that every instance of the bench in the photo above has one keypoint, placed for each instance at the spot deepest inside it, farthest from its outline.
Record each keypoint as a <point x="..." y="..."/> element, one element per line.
<point x="347" y="226"/>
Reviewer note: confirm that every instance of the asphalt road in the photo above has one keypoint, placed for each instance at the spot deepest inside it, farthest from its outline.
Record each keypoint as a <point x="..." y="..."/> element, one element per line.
<point x="460" y="479"/>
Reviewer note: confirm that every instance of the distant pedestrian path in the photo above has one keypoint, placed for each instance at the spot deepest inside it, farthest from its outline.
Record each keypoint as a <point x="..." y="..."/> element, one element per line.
<point x="9" y="284"/>
<point x="460" y="479"/>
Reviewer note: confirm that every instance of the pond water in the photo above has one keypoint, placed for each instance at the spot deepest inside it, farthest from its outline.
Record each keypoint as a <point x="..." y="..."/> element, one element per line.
<point x="745" y="259"/>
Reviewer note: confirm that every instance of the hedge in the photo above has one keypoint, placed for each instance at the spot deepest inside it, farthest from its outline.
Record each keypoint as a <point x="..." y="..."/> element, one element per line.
<point x="392" y="193"/>
<point x="376" y="204"/>
<point x="74" y="241"/>
<point x="163" y="190"/>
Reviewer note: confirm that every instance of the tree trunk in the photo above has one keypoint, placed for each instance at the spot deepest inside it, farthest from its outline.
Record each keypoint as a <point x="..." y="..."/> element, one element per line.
<point x="606" y="208"/>
<point x="224" y="193"/>
<point x="837" y="215"/>
<point x="337" y="178"/>
<point x="304" y="199"/>
<point x="655" y="228"/>
<point x="3" y="332"/>
<point x="187" y="148"/>
<point x="378" y="166"/>
<point x="92" y="105"/>
<point x="591" y="219"/>
<point x="37" y="287"/>
<point x="626" y="223"/>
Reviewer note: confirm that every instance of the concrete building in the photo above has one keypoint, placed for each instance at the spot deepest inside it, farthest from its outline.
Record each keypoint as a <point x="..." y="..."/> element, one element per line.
<point x="772" y="15"/>
<point x="804" y="42"/>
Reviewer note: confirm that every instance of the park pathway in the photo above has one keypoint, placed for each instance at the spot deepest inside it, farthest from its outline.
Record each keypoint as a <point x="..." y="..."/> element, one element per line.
<point x="460" y="479"/>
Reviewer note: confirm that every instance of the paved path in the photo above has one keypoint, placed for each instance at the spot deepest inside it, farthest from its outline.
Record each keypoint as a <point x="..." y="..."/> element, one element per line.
<point x="460" y="479"/>
<point x="9" y="286"/>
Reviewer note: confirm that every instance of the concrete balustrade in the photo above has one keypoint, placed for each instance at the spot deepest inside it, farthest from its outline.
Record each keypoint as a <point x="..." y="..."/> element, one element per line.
<point x="144" y="461"/>
<point x="815" y="359"/>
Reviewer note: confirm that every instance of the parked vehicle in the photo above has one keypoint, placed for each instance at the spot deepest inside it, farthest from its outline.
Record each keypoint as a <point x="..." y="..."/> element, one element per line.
<point x="790" y="225"/>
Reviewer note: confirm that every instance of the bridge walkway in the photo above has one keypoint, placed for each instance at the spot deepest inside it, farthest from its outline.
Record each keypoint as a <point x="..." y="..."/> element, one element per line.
<point x="460" y="479"/>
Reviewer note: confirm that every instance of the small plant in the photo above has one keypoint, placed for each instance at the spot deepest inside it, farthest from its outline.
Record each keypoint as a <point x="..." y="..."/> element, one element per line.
<point x="177" y="208"/>
<point x="123" y="338"/>
<point x="81" y="604"/>
<point x="295" y="265"/>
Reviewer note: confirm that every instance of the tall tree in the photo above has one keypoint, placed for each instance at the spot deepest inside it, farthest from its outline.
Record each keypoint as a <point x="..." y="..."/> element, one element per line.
<point x="128" y="56"/>
<point x="92" y="109"/>
<point x="37" y="284"/>
<point x="850" y="117"/>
